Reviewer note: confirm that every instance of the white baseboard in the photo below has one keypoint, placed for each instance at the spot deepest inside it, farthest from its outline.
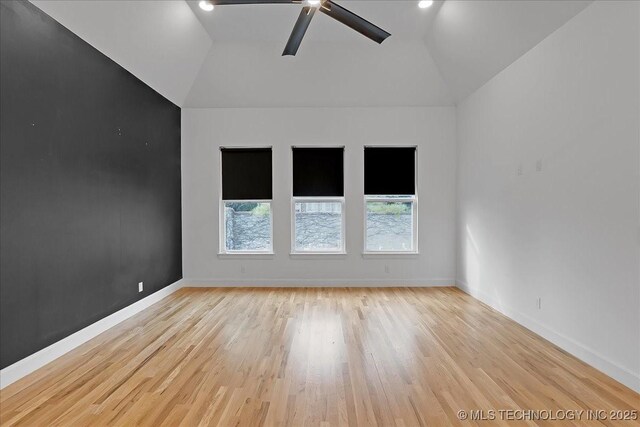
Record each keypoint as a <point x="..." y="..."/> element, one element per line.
<point x="577" y="349"/>
<point x="29" y="364"/>
<point x="301" y="283"/>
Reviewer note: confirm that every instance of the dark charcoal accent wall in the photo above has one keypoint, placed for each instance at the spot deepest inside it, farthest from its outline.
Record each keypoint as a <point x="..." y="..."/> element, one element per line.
<point x="90" y="184"/>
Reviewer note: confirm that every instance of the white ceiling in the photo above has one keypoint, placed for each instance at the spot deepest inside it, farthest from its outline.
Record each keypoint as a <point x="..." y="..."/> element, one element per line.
<point x="471" y="41"/>
<point x="335" y="66"/>
<point x="160" y="42"/>
<point x="231" y="57"/>
<point x="362" y="73"/>
<point x="274" y="22"/>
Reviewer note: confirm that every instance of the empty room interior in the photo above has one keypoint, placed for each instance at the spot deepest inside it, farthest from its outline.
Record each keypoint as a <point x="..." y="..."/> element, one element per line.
<point x="320" y="213"/>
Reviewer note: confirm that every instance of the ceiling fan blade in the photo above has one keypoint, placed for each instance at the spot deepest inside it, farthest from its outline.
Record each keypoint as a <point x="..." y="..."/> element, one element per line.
<point x="352" y="20"/>
<point x="304" y="19"/>
<point x="225" y="2"/>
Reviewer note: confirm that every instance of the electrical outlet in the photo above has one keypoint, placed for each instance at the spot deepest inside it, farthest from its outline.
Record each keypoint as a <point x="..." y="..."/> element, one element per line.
<point x="386" y="269"/>
<point x="242" y="269"/>
<point x="519" y="171"/>
<point x="140" y="286"/>
<point x="539" y="165"/>
<point x="539" y="303"/>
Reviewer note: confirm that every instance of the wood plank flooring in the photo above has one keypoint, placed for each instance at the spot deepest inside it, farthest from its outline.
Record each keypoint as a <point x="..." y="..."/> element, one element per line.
<point x="316" y="357"/>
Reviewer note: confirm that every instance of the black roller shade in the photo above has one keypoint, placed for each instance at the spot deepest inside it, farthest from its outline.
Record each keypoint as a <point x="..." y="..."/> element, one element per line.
<point x="389" y="171"/>
<point x="246" y="174"/>
<point x="318" y="172"/>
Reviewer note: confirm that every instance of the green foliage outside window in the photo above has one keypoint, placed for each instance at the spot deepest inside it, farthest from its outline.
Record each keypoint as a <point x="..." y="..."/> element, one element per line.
<point x="389" y="208"/>
<point x="242" y="207"/>
<point x="256" y="209"/>
<point x="262" y="209"/>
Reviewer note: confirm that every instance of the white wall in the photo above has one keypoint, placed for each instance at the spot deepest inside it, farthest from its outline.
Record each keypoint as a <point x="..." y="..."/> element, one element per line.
<point x="431" y="129"/>
<point x="569" y="232"/>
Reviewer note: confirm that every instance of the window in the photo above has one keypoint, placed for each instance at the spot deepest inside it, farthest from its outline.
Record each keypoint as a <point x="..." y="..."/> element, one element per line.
<point x="318" y="200"/>
<point x="246" y="222"/>
<point x="390" y="200"/>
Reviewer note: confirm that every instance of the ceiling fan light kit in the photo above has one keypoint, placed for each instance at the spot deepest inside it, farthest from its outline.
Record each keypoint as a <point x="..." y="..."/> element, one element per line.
<point x="328" y="7"/>
<point x="206" y="5"/>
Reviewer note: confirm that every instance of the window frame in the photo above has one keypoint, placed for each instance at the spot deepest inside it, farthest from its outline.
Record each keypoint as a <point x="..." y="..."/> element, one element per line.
<point x="413" y="199"/>
<point x="318" y="199"/>
<point x="222" y="231"/>
<point x="401" y="198"/>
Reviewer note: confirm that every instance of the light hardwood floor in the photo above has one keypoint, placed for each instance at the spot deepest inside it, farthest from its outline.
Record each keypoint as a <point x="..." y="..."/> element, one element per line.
<point x="321" y="356"/>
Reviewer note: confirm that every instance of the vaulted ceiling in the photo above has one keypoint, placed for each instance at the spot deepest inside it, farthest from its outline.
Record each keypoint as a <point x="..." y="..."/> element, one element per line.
<point x="231" y="57"/>
<point x="160" y="42"/>
<point x="472" y="41"/>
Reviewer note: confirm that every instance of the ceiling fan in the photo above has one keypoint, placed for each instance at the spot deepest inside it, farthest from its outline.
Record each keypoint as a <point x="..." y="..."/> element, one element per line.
<point x="328" y="7"/>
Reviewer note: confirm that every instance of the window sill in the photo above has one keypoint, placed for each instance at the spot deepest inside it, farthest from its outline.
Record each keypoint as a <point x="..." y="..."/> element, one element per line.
<point x="246" y="255"/>
<point x="320" y="255"/>
<point x="377" y="255"/>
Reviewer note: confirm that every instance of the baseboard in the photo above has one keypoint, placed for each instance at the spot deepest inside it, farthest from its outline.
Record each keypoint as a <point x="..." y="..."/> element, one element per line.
<point x="577" y="349"/>
<point x="302" y="283"/>
<point x="29" y="364"/>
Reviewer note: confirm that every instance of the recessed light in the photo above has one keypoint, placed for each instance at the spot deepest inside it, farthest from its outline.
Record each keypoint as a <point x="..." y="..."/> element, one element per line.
<point x="313" y="2"/>
<point x="423" y="4"/>
<point x="206" y="5"/>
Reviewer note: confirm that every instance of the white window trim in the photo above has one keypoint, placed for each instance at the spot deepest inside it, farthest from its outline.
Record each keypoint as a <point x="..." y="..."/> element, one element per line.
<point x="295" y="253"/>
<point x="339" y="251"/>
<point x="222" y="250"/>
<point x="414" y="224"/>
<point x="223" y="230"/>
<point x="394" y="198"/>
